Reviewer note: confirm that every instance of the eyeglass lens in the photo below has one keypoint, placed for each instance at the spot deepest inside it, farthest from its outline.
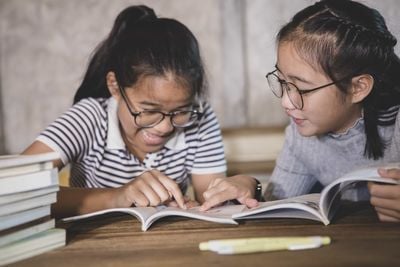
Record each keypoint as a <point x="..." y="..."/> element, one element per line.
<point x="278" y="86"/>
<point x="178" y="118"/>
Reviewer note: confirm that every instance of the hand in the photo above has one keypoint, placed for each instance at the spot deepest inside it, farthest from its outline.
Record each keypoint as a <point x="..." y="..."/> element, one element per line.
<point x="189" y="203"/>
<point x="386" y="198"/>
<point x="237" y="187"/>
<point x="151" y="188"/>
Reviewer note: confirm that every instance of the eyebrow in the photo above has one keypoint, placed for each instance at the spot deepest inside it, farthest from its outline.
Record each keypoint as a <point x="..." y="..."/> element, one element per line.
<point x="294" y="78"/>
<point x="152" y="104"/>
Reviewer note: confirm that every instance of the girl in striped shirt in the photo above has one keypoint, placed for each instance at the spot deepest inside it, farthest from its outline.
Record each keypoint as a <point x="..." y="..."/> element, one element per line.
<point x="139" y="130"/>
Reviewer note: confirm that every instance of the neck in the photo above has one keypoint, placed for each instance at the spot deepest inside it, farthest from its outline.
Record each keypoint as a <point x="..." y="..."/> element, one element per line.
<point x="354" y="117"/>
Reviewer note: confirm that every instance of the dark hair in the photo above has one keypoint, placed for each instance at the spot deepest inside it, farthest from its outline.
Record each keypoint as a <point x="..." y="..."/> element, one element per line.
<point x="139" y="45"/>
<point x="345" y="39"/>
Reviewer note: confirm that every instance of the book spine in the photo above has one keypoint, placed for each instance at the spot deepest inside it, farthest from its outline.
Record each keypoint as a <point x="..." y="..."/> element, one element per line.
<point x="30" y="181"/>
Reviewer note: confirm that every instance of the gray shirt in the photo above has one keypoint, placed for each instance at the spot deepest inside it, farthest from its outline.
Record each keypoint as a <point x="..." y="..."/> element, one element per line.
<point x="304" y="161"/>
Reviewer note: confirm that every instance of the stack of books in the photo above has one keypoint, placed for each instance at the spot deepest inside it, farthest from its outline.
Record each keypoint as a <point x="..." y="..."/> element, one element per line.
<point x="28" y="187"/>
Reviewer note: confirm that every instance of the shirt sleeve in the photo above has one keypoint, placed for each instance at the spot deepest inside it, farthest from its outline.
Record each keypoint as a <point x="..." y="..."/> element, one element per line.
<point x="72" y="134"/>
<point x="290" y="176"/>
<point x="209" y="156"/>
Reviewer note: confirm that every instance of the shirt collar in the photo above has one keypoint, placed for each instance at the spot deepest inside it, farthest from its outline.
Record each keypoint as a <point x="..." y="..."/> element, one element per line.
<point x="114" y="137"/>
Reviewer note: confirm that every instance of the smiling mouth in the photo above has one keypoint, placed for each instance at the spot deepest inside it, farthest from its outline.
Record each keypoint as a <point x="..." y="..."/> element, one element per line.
<point x="153" y="139"/>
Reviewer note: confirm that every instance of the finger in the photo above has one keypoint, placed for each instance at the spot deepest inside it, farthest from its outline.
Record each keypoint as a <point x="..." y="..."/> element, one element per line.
<point x="251" y="202"/>
<point x="388" y="212"/>
<point x="160" y="190"/>
<point x="140" y="200"/>
<point x="384" y="191"/>
<point x="215" y="200"/>
<point x="387" y="218"/>
<point x="172" y="187"/>
<point x="385" y="203"/>
<point x="172" y="204"/>
<point x="191" y="204"/>
<point x="393" y="173"/>
<point x="153" y="190"/>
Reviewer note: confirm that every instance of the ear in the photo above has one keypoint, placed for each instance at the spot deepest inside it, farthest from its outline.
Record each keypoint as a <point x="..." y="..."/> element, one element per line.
<point x="112" y="85"/>
<point x="361" y="87"/>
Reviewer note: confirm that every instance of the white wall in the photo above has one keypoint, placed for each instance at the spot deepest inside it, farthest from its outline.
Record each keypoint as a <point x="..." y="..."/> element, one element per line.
<point x="45" y="45"/>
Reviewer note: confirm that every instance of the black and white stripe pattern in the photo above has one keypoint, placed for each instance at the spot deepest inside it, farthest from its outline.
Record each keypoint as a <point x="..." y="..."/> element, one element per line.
<point x="80" y="136"/>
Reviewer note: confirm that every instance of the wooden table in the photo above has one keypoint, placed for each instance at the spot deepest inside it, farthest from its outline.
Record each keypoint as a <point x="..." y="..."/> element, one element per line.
<point x="358" y="239"/>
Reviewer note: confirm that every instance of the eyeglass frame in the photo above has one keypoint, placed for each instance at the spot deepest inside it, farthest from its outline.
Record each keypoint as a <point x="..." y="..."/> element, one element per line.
<point x="300" y="91"/>
<point x="171" y="115"/>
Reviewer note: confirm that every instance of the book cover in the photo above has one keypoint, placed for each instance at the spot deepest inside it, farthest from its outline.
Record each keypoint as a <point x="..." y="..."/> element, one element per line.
<point x="11" y="220"/>
<point x="9" y="198"/>
<point x="32" y="245"/>
<point x="27" y="204"/>
<point x="8" y="161"/>
<point x="28" y="181"/>
<point x="25" y="230"/>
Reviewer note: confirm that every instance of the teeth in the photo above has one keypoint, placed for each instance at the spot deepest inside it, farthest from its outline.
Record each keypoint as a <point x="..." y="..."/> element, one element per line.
<point x="152" y="138"/>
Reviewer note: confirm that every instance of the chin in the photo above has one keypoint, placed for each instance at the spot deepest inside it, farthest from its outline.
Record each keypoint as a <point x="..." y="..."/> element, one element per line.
<point x="307" y="132"/>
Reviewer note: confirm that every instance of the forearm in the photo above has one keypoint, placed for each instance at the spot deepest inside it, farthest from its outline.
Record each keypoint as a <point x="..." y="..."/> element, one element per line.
<point x="74" y="201"/>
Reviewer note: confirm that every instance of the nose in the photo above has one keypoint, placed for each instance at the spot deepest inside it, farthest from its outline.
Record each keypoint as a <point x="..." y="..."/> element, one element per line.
<point x="285" y="101"/>
<point x="165" y="126"/>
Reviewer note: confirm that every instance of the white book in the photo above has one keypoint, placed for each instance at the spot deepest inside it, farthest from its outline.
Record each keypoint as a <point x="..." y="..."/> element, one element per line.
<point x="11" y="220"/>
<point x="4" y="199"/>
<point x="29" y="168"/>
<point x="27" y="204"/>
<point x="28" y="181"/>
<point x="32" y="246"/>
<point x="148" y="215"/>
<point x="25" y="230"/>
<point x="320" y="207"/>
<point x="8" y="161"/>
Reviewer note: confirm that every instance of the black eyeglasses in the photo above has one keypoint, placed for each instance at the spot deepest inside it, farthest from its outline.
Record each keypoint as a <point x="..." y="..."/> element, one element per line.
<point x="278" y="86"/>
<point x="150" y="118"/>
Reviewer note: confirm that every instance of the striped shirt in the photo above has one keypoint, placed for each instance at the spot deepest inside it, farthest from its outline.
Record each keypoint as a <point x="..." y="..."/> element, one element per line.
<point x="88" y="137"/>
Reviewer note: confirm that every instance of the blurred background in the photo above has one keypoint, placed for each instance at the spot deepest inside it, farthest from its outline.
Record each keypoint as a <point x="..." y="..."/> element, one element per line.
<point x="45" y="46"/>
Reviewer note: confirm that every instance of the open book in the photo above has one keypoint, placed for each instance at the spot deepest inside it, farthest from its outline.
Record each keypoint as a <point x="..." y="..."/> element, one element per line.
<point x="319" y="207"/>
<point x="148" y="215"/>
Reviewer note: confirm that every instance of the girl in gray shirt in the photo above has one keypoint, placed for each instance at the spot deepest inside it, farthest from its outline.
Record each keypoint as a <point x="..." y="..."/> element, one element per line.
<point x="338" y="77"/>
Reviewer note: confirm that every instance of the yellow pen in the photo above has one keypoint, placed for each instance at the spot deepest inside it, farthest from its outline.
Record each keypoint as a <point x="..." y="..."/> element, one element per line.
<point x="251" y="245"/>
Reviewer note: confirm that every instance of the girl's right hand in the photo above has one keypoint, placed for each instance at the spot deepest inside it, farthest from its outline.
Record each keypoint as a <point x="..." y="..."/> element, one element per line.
<point x="151" y="188"/>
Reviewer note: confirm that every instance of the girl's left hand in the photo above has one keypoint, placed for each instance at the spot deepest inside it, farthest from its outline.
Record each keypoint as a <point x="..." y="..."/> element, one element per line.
<point x="239" y="187"/>
<point x="386" y="198"/>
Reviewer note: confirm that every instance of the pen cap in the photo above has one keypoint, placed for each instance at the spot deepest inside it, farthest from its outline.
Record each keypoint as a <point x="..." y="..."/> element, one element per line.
<point x="316" y="242"/>
<point x="203" y="246"/>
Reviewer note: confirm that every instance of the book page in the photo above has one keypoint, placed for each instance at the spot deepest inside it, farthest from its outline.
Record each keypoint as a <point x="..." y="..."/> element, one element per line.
<point x="222" y="214"/>
<point x="331" y="194"/>
<point x="148" y="215"/>
<point x="305" y="207"/>
<point x="141" y="213"/>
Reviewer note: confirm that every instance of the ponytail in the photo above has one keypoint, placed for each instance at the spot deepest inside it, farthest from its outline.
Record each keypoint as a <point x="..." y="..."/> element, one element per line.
<point x="94" y="81"/>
